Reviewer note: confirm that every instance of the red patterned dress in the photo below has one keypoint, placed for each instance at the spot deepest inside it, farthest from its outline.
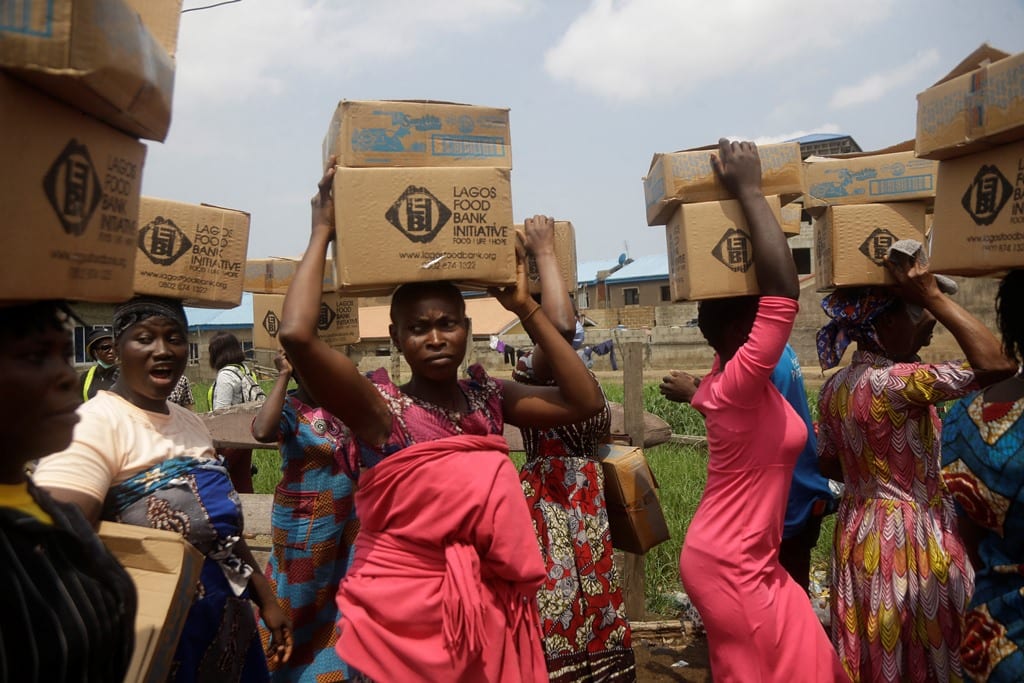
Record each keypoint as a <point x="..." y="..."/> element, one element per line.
<point x="586" y="635"/>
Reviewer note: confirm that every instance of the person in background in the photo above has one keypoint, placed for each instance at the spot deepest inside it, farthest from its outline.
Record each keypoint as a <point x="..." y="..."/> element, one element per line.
<point x="99" y="346"/>
<point x="983" y="467"/>
<point x="67" y="608"/>
<point x="314" y="524"/>
<point x="234" y="385"/>
<point x="182" y="394"/>
<point x="901" y="580"/>
<point x="137" y="459"/>
<point x="446" y="569"/>
<point x="760" y="624"/>
<point x="586" y="635"/>
<point x="810" y="498"/>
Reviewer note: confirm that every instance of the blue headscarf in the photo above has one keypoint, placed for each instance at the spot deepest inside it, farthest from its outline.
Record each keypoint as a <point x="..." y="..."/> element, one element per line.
<point x="853" y="312"/>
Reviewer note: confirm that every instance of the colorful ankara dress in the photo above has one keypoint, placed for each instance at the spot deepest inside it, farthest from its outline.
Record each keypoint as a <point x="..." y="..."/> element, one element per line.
<point x="759" y="621"/>
<point x="900" y="578"/>
<point x="444" y="580"/>
<point x="314" y="526"/>
<point x="586" y="635"/>
<point x="983" y="466"/>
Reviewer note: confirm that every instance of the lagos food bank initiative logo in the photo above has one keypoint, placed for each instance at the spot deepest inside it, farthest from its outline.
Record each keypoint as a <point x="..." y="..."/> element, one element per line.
<point x="73" y="187"/>
<point x="734" y="251"/>
<point x="163" y="241"/>
<point x="272" y="324"/>
<point x="418" y="214"/>
<point x="987" y="195"/>
<point x="876" y="246"/>
<point x="326" y="317"/>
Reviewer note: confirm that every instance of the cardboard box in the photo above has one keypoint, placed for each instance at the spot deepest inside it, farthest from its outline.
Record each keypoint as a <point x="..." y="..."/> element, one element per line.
<point x="710" y="254"/>
<point x="338" y="325"/>
<point x="868" y="179"/>
<point x="69" y="189"/>
<point x="687" y="178"/>
<point x="791" y="216"/>
<point x="98" y="56"/>
<point x="191" y="252"/>
<point x="565" y="254"/>
<point x="850" y="242"/>
<point x="631" y="494"/>
<point x="393" y="133"/>
<point x="967" y="112"/>
<point x="398" y="225"/>
<point x="978" y="226"/>
<point x="165" y="569"/>
<point x="274" y="275"/>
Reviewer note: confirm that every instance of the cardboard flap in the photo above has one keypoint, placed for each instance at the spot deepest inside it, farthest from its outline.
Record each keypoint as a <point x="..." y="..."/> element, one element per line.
<point x="983" y="55"/>
<point x="905" y="146"/>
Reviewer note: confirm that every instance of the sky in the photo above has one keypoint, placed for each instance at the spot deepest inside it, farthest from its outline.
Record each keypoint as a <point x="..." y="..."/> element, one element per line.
<point x="594" y="88"/>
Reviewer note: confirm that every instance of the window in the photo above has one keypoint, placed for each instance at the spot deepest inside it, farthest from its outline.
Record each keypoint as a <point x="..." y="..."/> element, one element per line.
<point x="802" y="258"/>
<point x="78" y="335"/>
<point x="631" y="296"/>
<point x="247" y="350"/>
<point x="666" y="293"/>
<point x="193" y="353"/>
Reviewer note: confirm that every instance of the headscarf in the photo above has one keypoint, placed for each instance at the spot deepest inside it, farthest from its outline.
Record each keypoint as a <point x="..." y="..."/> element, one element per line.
<point x="142" y="307"/>
<point x="853" y="312"/>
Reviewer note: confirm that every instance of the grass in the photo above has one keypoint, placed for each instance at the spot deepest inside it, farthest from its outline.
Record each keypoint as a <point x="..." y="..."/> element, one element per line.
<point x="681" y="472"/>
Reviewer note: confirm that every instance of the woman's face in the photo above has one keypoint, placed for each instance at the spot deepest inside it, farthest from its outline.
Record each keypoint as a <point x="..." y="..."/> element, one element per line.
<point x="431" y="333"/>
<point x="153" y="356"/>
<point x="39" y="397"/>
<point x="104" y="350"/>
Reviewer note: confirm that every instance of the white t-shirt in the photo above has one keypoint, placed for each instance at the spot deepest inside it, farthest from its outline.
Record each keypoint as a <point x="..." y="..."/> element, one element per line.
<point x="115" y="440"/>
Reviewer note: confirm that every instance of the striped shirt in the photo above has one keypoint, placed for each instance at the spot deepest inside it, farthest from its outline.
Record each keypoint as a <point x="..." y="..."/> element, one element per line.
<point x="67" y="608"/>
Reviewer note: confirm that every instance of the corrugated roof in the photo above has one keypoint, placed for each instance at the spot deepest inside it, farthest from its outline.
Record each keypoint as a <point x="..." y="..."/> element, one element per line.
<point x="221" y="318"/>
<point x="819" y="137"/>
<point x="653" y="267"/>
<point x="488" y="316"/>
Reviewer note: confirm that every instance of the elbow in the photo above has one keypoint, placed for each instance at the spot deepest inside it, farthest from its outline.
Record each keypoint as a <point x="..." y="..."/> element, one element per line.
<point x="293" y="338"/>
<point x="263" y="435"/>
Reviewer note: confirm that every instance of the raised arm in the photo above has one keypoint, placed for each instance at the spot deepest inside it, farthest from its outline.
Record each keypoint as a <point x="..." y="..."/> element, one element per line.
<point x="739" y="167"/>
<point x="328" y="375"/>
<point x="266" y="426"/>
<point x="577" y="395"/>
<point x="540" y="243"/>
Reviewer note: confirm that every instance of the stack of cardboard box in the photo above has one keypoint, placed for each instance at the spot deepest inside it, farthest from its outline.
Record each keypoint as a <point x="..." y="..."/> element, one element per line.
<point x="709" y="247"/>
<point x="973" y="121"/>
<point x="422" y="192"/>
<point x="862" y="203"/>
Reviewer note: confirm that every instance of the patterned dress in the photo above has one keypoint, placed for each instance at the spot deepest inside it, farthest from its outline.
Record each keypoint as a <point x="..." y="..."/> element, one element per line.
<point x="900" y="578"/>
<point x="586" y="635"/>
<point x="983" y="466"/>
<point x="314" y="526"/>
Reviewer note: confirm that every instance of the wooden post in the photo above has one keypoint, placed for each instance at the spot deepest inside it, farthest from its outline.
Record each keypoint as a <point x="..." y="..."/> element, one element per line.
<point x="633" y="583"/>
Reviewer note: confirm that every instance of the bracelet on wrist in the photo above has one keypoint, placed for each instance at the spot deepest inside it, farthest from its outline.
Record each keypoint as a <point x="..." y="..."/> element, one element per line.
<point x="536" y="307"/>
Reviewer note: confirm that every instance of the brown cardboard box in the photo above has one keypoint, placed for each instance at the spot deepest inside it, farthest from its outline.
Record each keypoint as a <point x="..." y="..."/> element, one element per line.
<point x="565" y="254"/>
<point x="191" y="252"/>
<point x="398" y="225"/>
<point x="165" y="569"/>
<point x="978" y="225"/>
<point x="687" y="178"/>
<point x="851" y="241"/>
<point x="274" y="275"/>
<point x="338" y="324"/>
<point x="98" y="56"/>
<point x="418" y="133"/>
<point x="973" y="109"/>
<point x="69" y="192"/>
<point x="631" y="494"/>
<point x="710" y="254"/>
<point x="791" y="217"/>
<point x="868" y="179"/>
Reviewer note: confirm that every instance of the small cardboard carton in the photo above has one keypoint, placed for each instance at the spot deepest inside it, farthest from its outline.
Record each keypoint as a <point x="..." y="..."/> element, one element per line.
<point x="418" y="133"/>
<point x="688" y="178"/>
<point x="98" y="55"/>
<point x="978" y="226"/>
<point x="69" y="189"/>
<point x="398" y="225"/>
<point x="274" y="275"/>
<point x="337" y="326"/>
<point x="192" y="252"/>
<point x="710" y="253"/>
<point x="565" y="255"/>
<point x="165" y="569"/>
<point x="631" y="494"/>
<point x="980" y="104"/>
<point x="868" y="179"/>
<point x="851" y="242"/>
<point x="791" y="218"/>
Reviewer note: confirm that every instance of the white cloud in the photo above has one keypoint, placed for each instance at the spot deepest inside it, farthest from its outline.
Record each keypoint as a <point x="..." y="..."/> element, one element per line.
<point x="634" y="49"/>
<point x="257" y="46"/>
<point x="875" y="86"/>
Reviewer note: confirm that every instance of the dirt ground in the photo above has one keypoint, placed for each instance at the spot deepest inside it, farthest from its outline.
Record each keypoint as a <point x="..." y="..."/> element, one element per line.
<point x="661" y="663"/>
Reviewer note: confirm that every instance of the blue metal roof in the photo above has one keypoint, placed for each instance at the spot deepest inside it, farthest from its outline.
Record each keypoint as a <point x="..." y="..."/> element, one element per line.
<point x="653" y="267"/>
<point x="221" y="318"/>
<point x="819" y="137"/>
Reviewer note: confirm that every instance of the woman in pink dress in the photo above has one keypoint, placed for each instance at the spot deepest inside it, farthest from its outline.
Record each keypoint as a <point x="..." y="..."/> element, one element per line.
<point x="444" y="580"/>
<point x="760" y="624"/>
